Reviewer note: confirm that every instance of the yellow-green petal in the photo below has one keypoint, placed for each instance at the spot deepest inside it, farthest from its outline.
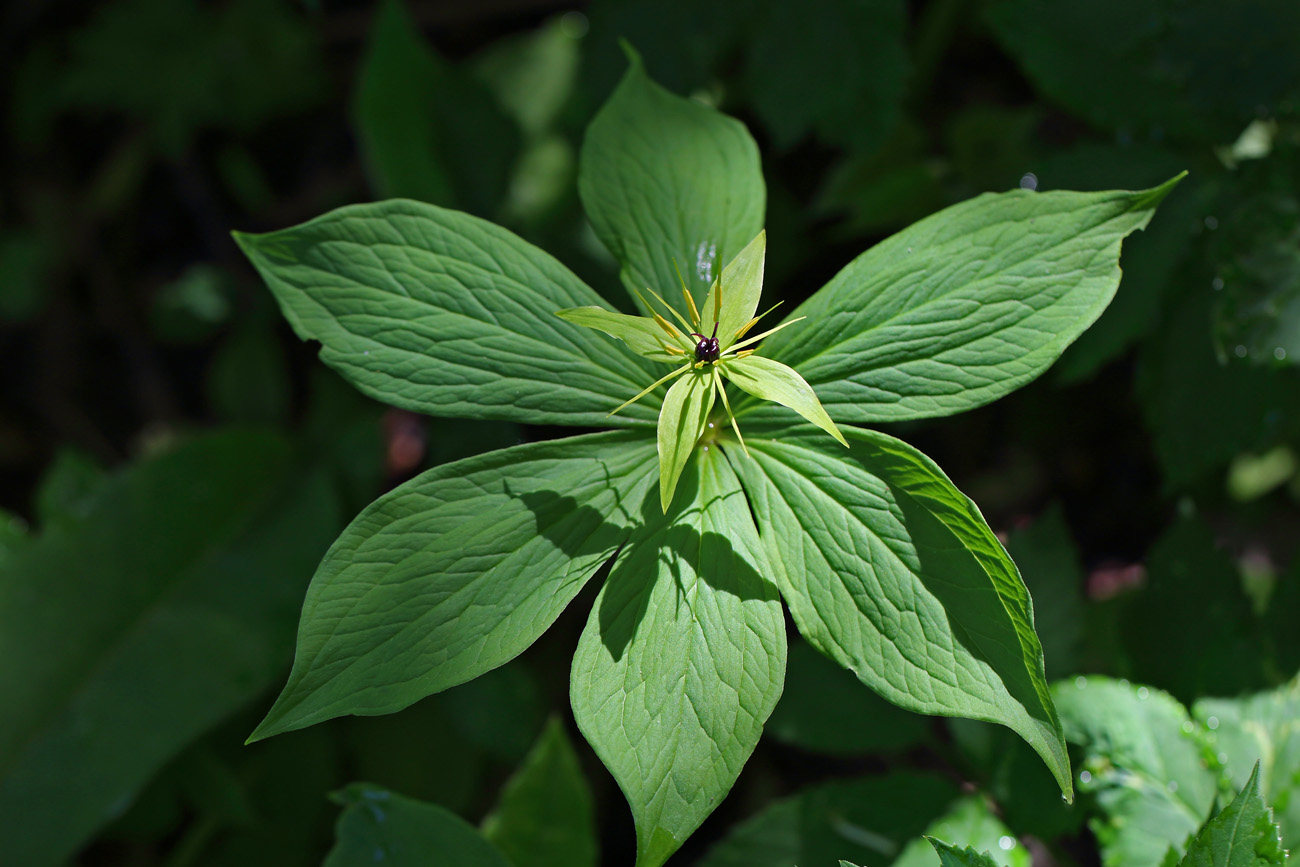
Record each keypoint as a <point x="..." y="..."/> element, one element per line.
<point x="741" y="285"/>
<point x="642" y="334"/>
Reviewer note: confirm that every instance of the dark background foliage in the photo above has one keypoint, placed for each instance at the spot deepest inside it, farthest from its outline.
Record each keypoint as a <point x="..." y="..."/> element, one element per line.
<point x="173" y="462"/>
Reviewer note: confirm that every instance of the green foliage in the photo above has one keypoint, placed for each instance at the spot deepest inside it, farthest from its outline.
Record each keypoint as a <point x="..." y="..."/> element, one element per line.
<point x="970" y="821"/>
<point x="1143" y="767"/>
<point x="164" y="606"/>
<point x="381" y="826"/>
<point x="545" y="817"/>
<point x="1243" y="835"/>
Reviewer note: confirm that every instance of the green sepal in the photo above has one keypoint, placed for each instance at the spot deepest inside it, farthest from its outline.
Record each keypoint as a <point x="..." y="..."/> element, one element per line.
<point x="739" y="287"/>
<point x="681" y="421"/>
<point x="642" y="334"/>
<point x="774" y="381"/>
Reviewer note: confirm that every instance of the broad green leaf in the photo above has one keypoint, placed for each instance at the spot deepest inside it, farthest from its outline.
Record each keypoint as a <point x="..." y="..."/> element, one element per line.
<point x="682" y="658"/>
<point x="891" y="571"/>
<point x="970" y="823"/>
<point x="805" y="71"/>
<point x="774" y="381"/>
<point x="868" y="819"/>
<point x="642" y="334"/>
<point x="663" y="178"/>
<point x="682" y="420"/>
<point x="824" y="709"/>
<point x="1142" y="765"/>
<point x="69" y="489"/>
<point x="427" y="129"/>
<point x="964" y="306"/>
<point x="381" y="827"/>
<point x="544" y="817"/>
<point x="1243" y="835"/>
<point x="951" y="856"/>
<point x="135" y="628"/>
<point x="739" y="289"/>
<point x="442" y="313"/>
<point x="457" y="572"/>
<point x="1261" y="729"/>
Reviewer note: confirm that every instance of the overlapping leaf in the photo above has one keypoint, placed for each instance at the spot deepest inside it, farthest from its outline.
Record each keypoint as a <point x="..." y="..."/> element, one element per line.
<point x="457" y="572"/>
<point x="439" y="312"/>
<point x="663" y="178"/>
<point x="891" y="571"/>
<point x="682" y="659"/>
<point x="964" y="306"/>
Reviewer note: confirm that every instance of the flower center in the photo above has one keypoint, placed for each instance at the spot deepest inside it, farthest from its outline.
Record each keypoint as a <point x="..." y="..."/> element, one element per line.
<point x="707" y="349"/>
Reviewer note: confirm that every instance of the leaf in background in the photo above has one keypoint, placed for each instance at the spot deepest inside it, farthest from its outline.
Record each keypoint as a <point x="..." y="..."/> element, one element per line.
<point x="192" y="307"/>
<point x="1263" y="730"/>
<point x="134" y="630"/>
<point x="457" y="572"/>
<point x="1048" y="561"/>
<point x="963" y="307"/>
<point x="1257" y="262"/>
<point x="891" y="571"/>
<point x="1202" y="411"/>
<point x="682" y="420"/>
<point x="379" y="826"/>
<point x="682" y="658"/>
<point x="951" y="856"/>
<point x="501" y="712"/>
<point x="868" y="819"/>
<point x="798" y="49"/>
<point x="1142" y="765"/>
<point x="1243" y="835"/>
<point x="1193" y="583"/>
<point x="825" y="709"/>
<point x="1198" y="70"/>
<point x="182" y="67"/>
<point x="970" y="823"/>
<point x="69" y="490"/>
<point x="544" y="817"/>
<point x="427" y="129"/>
<point x="443" y="313"/>
<point x="248" y="379"/>
<point x="24" y="261"/>
<point x="663" y="178"/>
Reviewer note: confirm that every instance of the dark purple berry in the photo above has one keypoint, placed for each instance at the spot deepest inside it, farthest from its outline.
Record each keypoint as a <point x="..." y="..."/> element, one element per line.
<point x="707" y="349"/>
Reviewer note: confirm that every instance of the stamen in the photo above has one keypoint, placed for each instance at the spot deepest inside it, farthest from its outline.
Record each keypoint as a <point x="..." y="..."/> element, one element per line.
<point x="759" y="337"/>
<point x="678" y="372"/>
<point x="690" y="302"/>
<point x="722" y="392"/>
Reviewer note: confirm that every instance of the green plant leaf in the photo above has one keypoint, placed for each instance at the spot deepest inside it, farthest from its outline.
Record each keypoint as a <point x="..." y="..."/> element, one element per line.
<point x="544" y="817"/>
<point x="135" y="627"/>
<point x="774" y="381"/>
<point x="442" y="313"/>
<point x="964" y="306"/>
<point x="1143" y="767"/>
<point x="379" y="826"/>
<point x="869" y="819"/>
<point x="739" y="289"/>
<point x="1243" y="835"/>
<point x="682" y="658"/>
<point x="642" y="334"/>
<point x="681" y="422"/>
<point x="457" y="572"/>
<point x="891" y="571"/>
<point x="969" y="822"/>
<point x="427" y="129"/>
<point x="663" y="178"/>
<point x="1262" y="730"/>
<point x="951" y="856"/>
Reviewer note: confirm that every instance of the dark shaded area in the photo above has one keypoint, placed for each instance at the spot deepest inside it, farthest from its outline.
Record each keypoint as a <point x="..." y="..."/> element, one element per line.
<point x="1148" y="482"/>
